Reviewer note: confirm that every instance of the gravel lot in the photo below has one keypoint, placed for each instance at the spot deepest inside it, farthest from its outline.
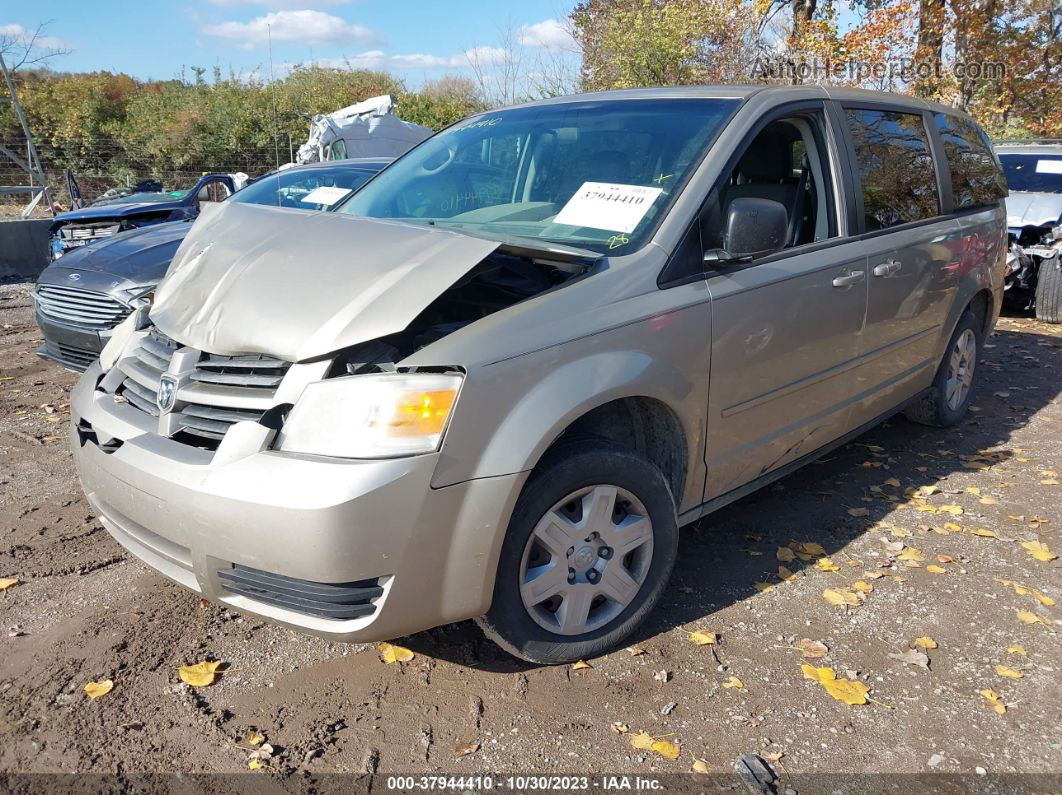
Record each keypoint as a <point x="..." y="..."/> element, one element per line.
<point x="84" y="610"/>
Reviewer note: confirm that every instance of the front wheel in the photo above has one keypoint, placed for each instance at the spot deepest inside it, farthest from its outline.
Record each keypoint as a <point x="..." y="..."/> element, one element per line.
<point x="1049" y="290"/>
<point x="588" y="553"/>
<point x="945" y="402"/>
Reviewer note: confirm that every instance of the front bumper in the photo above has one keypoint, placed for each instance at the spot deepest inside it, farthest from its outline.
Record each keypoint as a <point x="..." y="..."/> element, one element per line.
<point x="194" y="515"/>
<point x="74" y="347"/>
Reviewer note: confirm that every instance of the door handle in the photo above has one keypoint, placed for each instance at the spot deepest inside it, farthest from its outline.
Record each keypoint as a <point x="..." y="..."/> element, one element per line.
<point x="849" y="278"/>
<point x="887" y="268"/>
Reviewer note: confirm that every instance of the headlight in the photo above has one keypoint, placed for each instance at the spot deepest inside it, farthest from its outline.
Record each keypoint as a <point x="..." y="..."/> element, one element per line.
<point x="371" y="416"/>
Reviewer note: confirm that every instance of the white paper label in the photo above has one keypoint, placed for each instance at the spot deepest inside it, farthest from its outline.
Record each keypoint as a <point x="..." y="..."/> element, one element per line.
<point x="325" y="194"/>
<point x="1049" y="166"/>
<point x="603" y="205"/>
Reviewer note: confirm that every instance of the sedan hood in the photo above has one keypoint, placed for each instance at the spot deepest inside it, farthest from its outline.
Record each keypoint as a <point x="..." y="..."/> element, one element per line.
<point x="139" y="255"/>
<point x="297" y="285"/>
<point x="1033" y="209"/>
<point x="116" y="210"/>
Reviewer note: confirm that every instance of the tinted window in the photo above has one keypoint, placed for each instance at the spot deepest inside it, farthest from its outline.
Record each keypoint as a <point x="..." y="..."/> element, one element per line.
<point x="975" y="178"/>
<point x="304" y="189"/>
<point x="896" y="168"/>
<point x="1034" y="173"/>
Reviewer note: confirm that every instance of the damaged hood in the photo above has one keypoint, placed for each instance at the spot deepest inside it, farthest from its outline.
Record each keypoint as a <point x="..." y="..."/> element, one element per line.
<point x="1033" y="209"/>
<point x="139" y="255"/>
<point x="295" y="285"/>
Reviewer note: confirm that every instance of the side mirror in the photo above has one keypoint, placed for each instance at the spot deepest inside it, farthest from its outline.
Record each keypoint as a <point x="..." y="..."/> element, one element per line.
<point x="754" y="227"/>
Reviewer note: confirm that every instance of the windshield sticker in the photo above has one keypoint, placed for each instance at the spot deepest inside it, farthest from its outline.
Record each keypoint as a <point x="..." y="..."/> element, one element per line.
<point x="326" y="194"/>
<point x="659" y="180"/>
<point x="1049" y="166"/>
<point x="602" y="205"/>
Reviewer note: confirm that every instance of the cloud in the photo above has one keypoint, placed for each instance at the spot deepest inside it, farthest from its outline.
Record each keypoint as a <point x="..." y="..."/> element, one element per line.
<point x="22" y="36"/>
<point x="303" y="27"/>
<point x="378" y="59"/>
<point x="549" y="34"/>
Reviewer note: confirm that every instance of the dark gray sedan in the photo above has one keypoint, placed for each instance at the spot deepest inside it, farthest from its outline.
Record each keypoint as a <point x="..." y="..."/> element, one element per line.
<point x="81" y="297"/>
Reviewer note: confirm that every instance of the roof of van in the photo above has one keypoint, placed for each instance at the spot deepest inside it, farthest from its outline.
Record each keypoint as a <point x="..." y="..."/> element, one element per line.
<point x="1033" y="147"/>
<point x="786" y="93"/>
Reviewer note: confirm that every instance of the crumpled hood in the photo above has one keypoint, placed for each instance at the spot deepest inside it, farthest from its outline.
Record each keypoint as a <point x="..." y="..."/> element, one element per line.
<point x="296" y="285"/>
<point x="1033" y="209"/>
<point x="117" y="210"/>
<point x="140" y="255"/>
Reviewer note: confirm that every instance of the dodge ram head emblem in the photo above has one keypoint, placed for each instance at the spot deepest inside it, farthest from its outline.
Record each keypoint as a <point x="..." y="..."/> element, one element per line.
<point x="167" y="395"/>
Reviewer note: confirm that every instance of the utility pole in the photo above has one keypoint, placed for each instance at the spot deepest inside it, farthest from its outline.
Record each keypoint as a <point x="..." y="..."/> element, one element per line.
<point x="32" y="164"/>
<point x="273" y="95"/>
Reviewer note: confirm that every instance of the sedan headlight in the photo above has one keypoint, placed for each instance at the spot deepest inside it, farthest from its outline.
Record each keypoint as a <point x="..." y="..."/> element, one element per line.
<point x="371" y="416"/>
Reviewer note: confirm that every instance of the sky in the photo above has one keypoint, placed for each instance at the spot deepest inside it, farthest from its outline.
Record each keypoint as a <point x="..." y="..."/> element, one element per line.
<point x="415" y="39"/>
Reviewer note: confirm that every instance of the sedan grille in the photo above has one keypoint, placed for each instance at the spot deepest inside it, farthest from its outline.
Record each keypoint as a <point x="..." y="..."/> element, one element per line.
<point x="216" y="396"/>
<point x="328" y="600"/>
<point x="86" y="232"/>
<point x="80" y="307"/>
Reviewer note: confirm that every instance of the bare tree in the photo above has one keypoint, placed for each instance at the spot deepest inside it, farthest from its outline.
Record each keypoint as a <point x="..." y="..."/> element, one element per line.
<point x="21" y="47"/>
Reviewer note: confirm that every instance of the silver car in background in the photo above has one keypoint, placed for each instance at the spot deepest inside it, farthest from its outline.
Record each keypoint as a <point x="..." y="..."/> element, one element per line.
<point x="498" y="379"/>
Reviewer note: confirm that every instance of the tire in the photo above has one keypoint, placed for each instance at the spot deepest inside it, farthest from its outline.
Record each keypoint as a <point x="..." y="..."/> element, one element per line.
<point x="1049" y="291"/>
<point x="940" y="405"/>
<point x="541" y="623"/>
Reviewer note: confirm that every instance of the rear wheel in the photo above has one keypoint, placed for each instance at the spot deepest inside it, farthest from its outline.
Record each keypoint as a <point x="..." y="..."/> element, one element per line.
<point x="945" y="403"/>
<point x="588" y="553"/>
<point x="1049" y="290"/>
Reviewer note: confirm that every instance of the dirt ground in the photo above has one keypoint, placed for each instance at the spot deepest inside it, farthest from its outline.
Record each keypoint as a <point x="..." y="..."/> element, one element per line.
<point x="84" y="610"/>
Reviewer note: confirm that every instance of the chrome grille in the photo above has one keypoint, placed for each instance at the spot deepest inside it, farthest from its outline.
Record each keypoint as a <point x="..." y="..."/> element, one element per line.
<point x="80" y="307"/>
<point x="216" y="397"/>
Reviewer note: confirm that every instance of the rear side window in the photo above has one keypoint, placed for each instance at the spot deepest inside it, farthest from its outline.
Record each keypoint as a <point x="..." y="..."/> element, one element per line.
<point x="976" y="179"/>
<point x="895" y="166"/>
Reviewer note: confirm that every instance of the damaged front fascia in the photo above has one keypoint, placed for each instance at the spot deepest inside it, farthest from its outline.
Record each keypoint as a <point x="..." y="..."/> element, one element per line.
<point x="300" y="286"/>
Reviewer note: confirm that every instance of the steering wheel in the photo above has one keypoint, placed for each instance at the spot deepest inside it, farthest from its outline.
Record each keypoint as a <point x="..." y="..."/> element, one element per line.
<point x="425" y="171"/>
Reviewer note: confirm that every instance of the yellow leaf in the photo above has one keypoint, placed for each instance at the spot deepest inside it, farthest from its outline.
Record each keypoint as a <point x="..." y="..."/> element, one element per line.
<point x="986" y="500"/>
<point x="785" y="554"/>
<point x="733" y="681"/>
<point x="983" y="533"/>
<point x="973" y="490"/>
<point x="955" y="528"/>
<point x="785" y="575"/>
<point x="7" y="582"/>
<point x="825" y="564"/>
<point x="847" y="690"/>
<point x="1039" y="550"/>
<point x="1048" y="482"/>
<point x="582" y="665"/>
<point x="635" y="651"/>
<point x="865" y="587"/>
<point x="763" y="587"/>
<point x="954" y="510"/>
<point x="1010" y="673"/>
<point x="254" y="737"/>
<point x="1016" y="648"/>
<point x="642" y="741"/>
<point x="817" y="674"/>
<point x="1029" y="617"/>
<point x="992" y="697"/>
<point x="806" y="550"/>
<point x="910" y="553"/>
<point x="925" y="642"/>
<point x="840" y="596"/>
<point x="893" y="482"/>
<point x="935" y="569"/>
<point x="699" y="766"/>
<point x="858" y="512"/>
<point x="899" y="532"/>
<point x="666" y="749"/>
<point x="928" y="490"/>
<point x="390" y="653"/>
<point x="702" y="638"/>
<point x="255" y="763"/>
<point x="925" y="508"/>
<point x="97" y="689"/>
<point x="199" y="675"/>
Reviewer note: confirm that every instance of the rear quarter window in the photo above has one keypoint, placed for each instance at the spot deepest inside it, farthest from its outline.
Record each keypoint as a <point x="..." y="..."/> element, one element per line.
<point x="976" y="178"/>
<point x="895" y="167"/>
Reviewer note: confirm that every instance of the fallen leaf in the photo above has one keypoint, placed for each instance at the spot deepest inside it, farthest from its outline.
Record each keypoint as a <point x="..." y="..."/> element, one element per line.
<point x="955" y="528"/>
<point x="97" y="689"/>
<point x="1029" y="617"/>
<point x="812" y="649"/>
<point x="390" y="653"/>
<point x="1008" y="672"/>
<point x="825" y="564"/>
<point x="785" y="575"/>
<point x="773" y="756"/>
<point x="785" y="554"/>
<point x="733" y="682"/>
<point x="7" y="582"/>
<point x="850" y="691"/>
<point x="582" y="665"/>
<point x="666" y="749"/>
<point x="1048" y="482"/>
<point x="699" y="766"/>
<point x="954" y="510"/>
<point x="840" y="596"/>
<point x="865" y="587"/>
<point x="1039" y="550"/>
<point x="912" y="554"/>
<point x="464" y="749"/>
<point x="817" y="674"/>
<point x="253" y="737"/>
<point x="929" y="490"/>
<point x="987" y="500"/>
<point x="900" y="532"/>
<point x="635" y="651"/>
<point x="935" y="569"/>
<point x="763" y="587"/>
<point x="893" y="482"/>
<point x="254" y="763"/>
<point x="912" y="657"/>
<point x="983" y="533"/>
<point x="925" y="642"/>
<point x="702" y="638"/>
<point x="642" y="741"/>
<point x="199" y="675"/>
<point x="992" y="697"/>
<point x="1016" y="648"/>
<point x="806" y="550"/>
<point x="973" y="490"/>
<point x="858" y="512"/>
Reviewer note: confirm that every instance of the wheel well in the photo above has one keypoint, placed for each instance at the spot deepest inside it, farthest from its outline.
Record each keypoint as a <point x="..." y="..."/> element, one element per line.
<point x="645" y="425"/>
<point x="982" y="305"/>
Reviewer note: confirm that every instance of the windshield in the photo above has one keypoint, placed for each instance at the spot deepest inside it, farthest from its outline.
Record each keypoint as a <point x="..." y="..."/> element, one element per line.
<point x="132" y="198"/>
<point x="1033" y="173"/>
<point x="595" y="175"/>
<point x="304" y="188"/>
